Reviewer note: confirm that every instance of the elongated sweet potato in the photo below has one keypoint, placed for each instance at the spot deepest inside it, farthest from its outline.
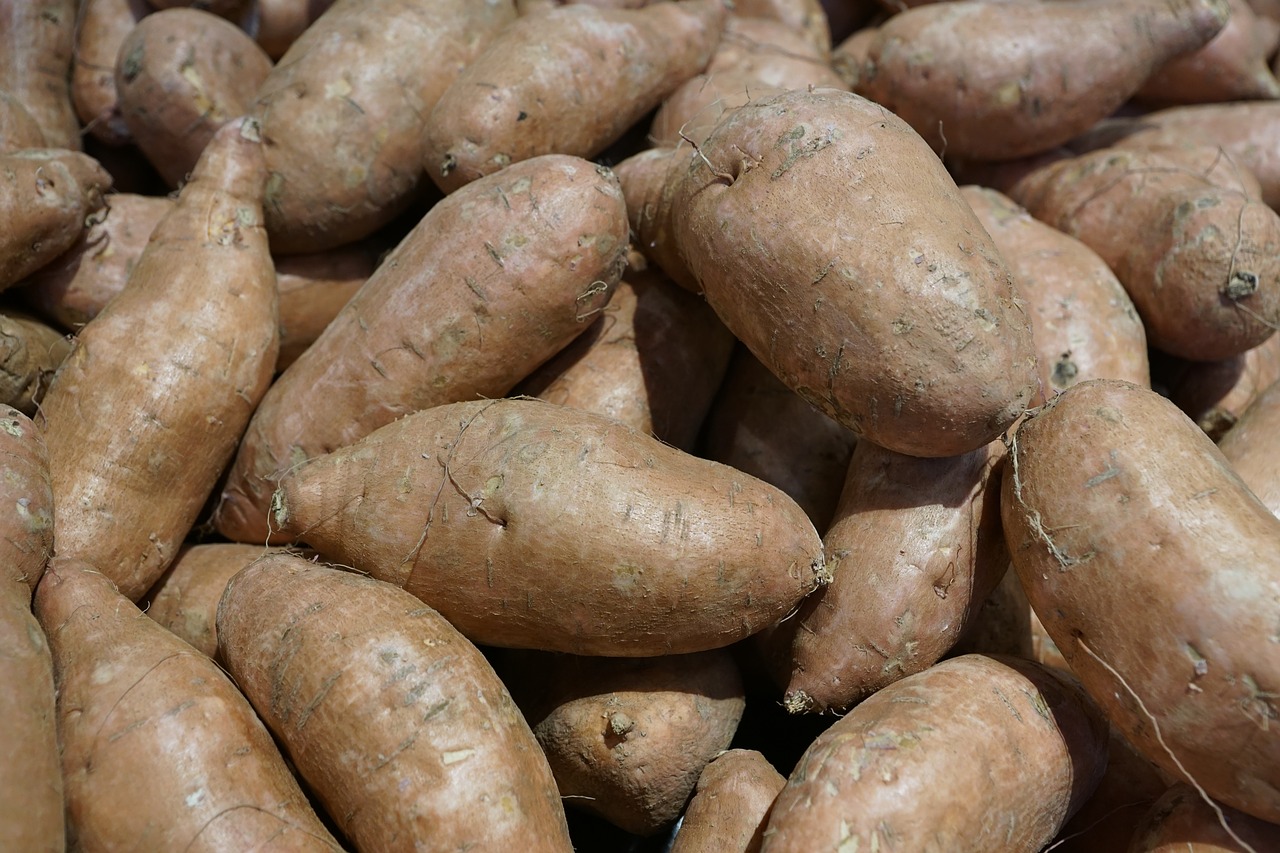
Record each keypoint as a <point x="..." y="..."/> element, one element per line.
<point x="185" y="599"/>
<point x="1215" y="394"/>
<point x="973" y="754"/>
<point x="628" y="738"/>
<point x="103" y="27"/>
<point x="1182" y="822"/>
<point x="567" y="81"/>
<point x="132" y="698"/>
<point x="18" y="130"/>
<point x="1156" y="573"/>
<point x="490" y="284"/>
<point x="883" y="303"/>
<point x="313" y="290"/>
<point x="181" y="74"/>
<point x="1251" y="446"/>
<point x="1232" y="66"/>
<point x="37" y="40"/>
<point x="730" y="805"/>
<point x="398" y="724"/>
<point x="174" y="365"/>
<point x="343" y="122"/>
<point x="499" y="498"/>
<point x="30" y="353"/>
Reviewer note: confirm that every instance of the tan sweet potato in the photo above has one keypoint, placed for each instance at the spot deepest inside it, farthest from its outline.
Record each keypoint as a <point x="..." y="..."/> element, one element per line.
<point x="452" y="314"/>
<point x="882" y="302"/>
<point x="103" y="27"/>
<point x="185" y="599"/>
<point x="18" y="129"/>
<point x="648" y="185"/>
<point x="160" y="751"/>
<point x="280" y="22"/>
<point x="849" y="57"/>
<point x="322" y="654"/>
<point x="1232" y="66"/>
<point x="1083" y="323"/>
<point x="499" y="498"/>
<point x="802" y="16"/>
<point x="37" y="40"/>
<point x="567" y="81"/>
<point x="313" y="290"/>
<point x="1215" y="394"/>
<point x="1251" y="447"/>
<point x="147" y="410"/>
<point x="628" y="738"/>
<point x="28" y="533"/>
<point x="1041" y="72"/>
<point x="730" y="805"/>
<point x="973" y="754"/>
<point x="181" y="74"/>
<point x="45" y="196"/>
<point x="343" y="130"/>
<point x="1182" y="822"/>
<point x="30" y="353"/>
<point x="1156" y="573"/>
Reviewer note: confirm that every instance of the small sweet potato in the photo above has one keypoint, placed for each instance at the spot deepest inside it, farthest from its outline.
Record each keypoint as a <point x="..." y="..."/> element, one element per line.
<point x="1182" y="822"/>
<point x="1232" y="66"/>
<point x="485" y="510"/>
<point x="398" y="724"/>
<point x="18" y="130"/>
<point x="730" y="805"/>
<point x="185" y="599"/>
<point x="648" y="184"/>
<point x="30" y="353"/>
<point x="103" y="27"/>
<point x="1215" y="394"/>
<point x="313" y="291"/>
<point x="37" y="40"/>
<point x="1252" y="447"/>
<point x="280" y="22"/>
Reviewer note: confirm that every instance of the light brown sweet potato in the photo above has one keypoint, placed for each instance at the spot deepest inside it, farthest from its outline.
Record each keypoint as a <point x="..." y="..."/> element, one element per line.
<point x="102" y="28"/>
<point x="803" y="16"/>
<point x="485" y="510"/>
<point x="1252" y="447"/>
<point x="181" y="74"/>
<point x="730" y="805"/>
<point x="343" y="130"/>
<point x="1182" y="822"/>
<point x="1156" y="573"/>
<point x="146" y="411"/>
<point x="30" y="353"/>
<point x="973" y="754"/>
<point x="567" y="81"/>
<point x="1039" y="72"/>
<point x="28" y="533"/>
<point x="648" y="185"/>
<point x="185" y="599"/>
<point x="18" y="130"/>
<point x="849" y="57"/>
<point x="628" y="738"/>
<point x="37" y="40"/>
<point x="280" y="22"/>
<point x="491" y="283"/>
<point x="160" y="751"/>
<point x="1215" y="394"/>
<point x="1232" y="66"/>
<point x="398" y="724"/>
<point x="313" y="290"/>
<point x="882" y="302"/>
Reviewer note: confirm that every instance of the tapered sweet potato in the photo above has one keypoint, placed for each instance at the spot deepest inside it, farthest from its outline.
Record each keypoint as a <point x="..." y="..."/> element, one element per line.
<point x="181" y="74"/>
<point x="1215" y="394"/>
<point x="160" y="751"/>
<point x="313" y="290"/>
<point x="1252" y="449"/>
<point x="882" y="302"/>
<point x="1156" y="573"/>
<point x="1232" y="66"/>
<point x="103" y="27"/>
<point x="730" y="805"/>
<point x="1182" y="822"/>
<point x="18" y="130"/>
<point x="185" y="599"/>
<point x="567" y="81"/>
<point x="973" y="754"/>
<point x="484" y="511"/>
<point x="30" y="353"/>
<point x="146" y="411"/>
<point x="37" y="40"/>
<point x="342" y="112"/>
<point x="491" y="283"/>
<point x="398" y="724"/>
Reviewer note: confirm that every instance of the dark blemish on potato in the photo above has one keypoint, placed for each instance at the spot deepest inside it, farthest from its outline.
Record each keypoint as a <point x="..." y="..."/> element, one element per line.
<point x="1241" y="284"/>
<point x="1064" y="371"/>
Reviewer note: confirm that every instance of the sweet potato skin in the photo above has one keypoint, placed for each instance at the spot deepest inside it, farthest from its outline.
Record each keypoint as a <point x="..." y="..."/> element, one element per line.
<point x="313" y="291"/>
<point x="730" y="805"/>
<point x="1111" y="497"/>
<point x="698" y="555"/>
<point x="1232" y="66"/>
<point x="1182" y="822"/>
<point x="1251" y="449"/>
<point x="280" y="22"/>
<point x="321" y="652"/>
<point x="1215" y="394"/>
<point x="103" y="27"/>
<point x="30" y="354"/>
<point x="18" y="130"/>
<point x="648" y="186"/>
<point x="185" y="599"/>
<point x="38" y="38"/>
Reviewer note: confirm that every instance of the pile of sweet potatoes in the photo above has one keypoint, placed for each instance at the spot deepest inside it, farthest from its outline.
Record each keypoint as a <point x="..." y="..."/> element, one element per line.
<point x="778" y="426"/>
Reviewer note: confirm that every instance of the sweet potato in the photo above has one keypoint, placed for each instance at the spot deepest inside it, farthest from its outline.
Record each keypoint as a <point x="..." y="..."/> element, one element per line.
<point x="313" y="290"/>
<point x="730" y="805"/>
<point x="185" y="599"/>
<point x="849" y="57"/>
<point x="915" y="548"/>
<point x="398" y="724"/>
<point x="761" y="427"/>
<point x="1215" y="394"/>
<point x="498" y="500"/>
<point x="1250" y="447"/>
<point x="18" y="130"/>
<point x="1002" y="625"/>
<point x="1182" y="822"/>
<point x="1083" y="323"/>
<point x="1200" y="262"/>
<point x="37" y="40"/>
<point x="160" y="751"/>
<point x="1041" y="72"/>
<point x="181" y="74"/>
<point x="342" y="112"/>
<point x="491" y="283"/>
<point x="232" y="10"/>
<point x="648" y="185"/>
<point x="803" y="16"/>
<point x="30" y="353"/>
<point x="280" y="22"/>
<point x="45" y="196"/>
<point x="1156" y="573"/>
<point x="973" y="754"/>
<point x="567" y="81"/>
<point x="146" y="411"/>
<point x="103" y="27"/>
<point x="882" y="302"/>
<point x="1232" y="66"/>
<point x="628" y="738"/>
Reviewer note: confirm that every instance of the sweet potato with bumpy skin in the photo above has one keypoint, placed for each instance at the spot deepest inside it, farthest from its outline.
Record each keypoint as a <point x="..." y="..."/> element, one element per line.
<point x="450" y="762"/>
<point x="1232" y="66"/>
<point x="18" y="130"/>
<point x="181" y="74"/>
<point x="1182" y="822"/>
<point x="313" y="290"/>
<point x="343" y="109"/>
<point x="628" y="738"/>
<point x="480" y="509"/>
<point x="1215" y="394"/>
<point x="30" y="353"/>
<point x="147" y="410"/>
<point x="185" y="599"/>
<point x="103" y="27"/>
<point x="1251" y="447"/>
<point x="1042" y="72"/>
<point x="568" y="81"/>
<point x="882" y="302"/>
<point x="37" y="40"/>
<point x="730" y="805"/>
<point x="973" y="754"/>
<point x="160" y="751"/>
<point x="1083" y="323"/>
<point x="1157" y="574"/>
<point x="45" y="196"/>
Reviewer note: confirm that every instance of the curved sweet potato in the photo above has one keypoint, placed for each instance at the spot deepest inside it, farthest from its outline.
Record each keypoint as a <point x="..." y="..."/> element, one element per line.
<point x="648" y="186"/>
<point x="1252" y="448"/>
<point x="730" y="805"/>
<point x="37" y="40"/>
<point x="103" y="27"/>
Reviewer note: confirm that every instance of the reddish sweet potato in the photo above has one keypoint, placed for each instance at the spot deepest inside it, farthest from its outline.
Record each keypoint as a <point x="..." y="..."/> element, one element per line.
<point x="1252" y="448"/>
<point x="37" y="40"/>
<point x="1232" y="66"/>
<point x="730" y="805"/>
<point x="1215" y="394"/>
<point x="30" y="353"/>
<point x="1182" y="822"/>
<point x="18" y="130"/>
<point x="1156" y="573"/>
<point x="147" y="410"/>
<point x="160" y="751"/>
<point x="185" y="599"/>
<point x="322" y="654"/>
<point x="313" y="290"/>
<point x="484" y="510"/>
<point x="103" y="27"/>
